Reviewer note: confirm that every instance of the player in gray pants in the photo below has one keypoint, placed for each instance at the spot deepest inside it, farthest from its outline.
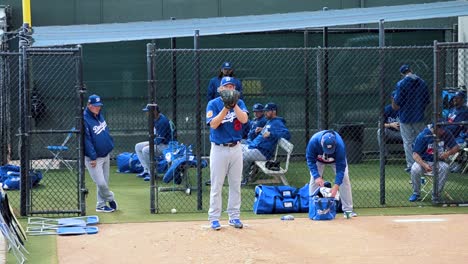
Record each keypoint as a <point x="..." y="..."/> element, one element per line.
<point x="225" y="120"/>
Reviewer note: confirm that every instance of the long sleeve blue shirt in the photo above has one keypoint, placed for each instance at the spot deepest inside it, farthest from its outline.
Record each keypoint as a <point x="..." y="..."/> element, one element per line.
<point x="314" y="153"/>
<point x="277" y="128"/>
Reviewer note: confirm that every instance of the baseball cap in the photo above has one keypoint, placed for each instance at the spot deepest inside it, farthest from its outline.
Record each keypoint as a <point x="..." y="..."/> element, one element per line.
<point x="460" y="94"/>
<point x="270" y="107"/>
<point x="258" y="107"/>
<point x="226" y="65"/>
<point x="148" y="108"/>
<point x="95" y="100"/>
<point x="227" y="80"/>
<point x="393" y="94"/>
<point x="404" y="68"/>
<point x="328" y="143"/>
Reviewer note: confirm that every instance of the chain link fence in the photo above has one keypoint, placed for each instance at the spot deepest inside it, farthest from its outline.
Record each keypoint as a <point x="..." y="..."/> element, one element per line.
<point x="344" y="89"/>
<point x="41" y="129"/>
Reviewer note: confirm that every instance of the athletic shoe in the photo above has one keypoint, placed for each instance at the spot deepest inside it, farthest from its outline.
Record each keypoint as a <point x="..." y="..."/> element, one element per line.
<point x="350" y="214"/>
<point x="104" y="209"/>
<point x="236" y="223"/>
<point x="113" y="204"/>
<point x="143" y="174"/>
<point x="147" y="178"/>
<point x="408" y="169"/>
<point x="414" y="198"/>
<point x="215" y="225"/>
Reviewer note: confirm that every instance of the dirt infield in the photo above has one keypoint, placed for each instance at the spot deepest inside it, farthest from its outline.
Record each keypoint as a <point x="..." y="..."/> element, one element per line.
<point x="375" y="239"/>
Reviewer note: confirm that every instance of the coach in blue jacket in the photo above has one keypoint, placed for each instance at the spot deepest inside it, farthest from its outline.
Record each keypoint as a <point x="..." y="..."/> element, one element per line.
<point x="98" y="145"/>
<point x="263" y="145"/>
<point x="327" y="147"/>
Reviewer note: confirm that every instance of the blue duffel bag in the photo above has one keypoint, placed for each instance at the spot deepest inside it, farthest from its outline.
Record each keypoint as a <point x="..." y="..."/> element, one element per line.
<point x="276" y="199"/>
<point x="128" y="162"/>
<point x="322" y="208"/>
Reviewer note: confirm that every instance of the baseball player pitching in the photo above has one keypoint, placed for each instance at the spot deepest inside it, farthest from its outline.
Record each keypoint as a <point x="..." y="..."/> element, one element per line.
<point x="225" y="115"/>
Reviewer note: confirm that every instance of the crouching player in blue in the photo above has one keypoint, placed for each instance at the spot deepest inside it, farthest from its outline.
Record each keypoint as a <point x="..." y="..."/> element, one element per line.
<point x="423" y="154"/>
<point x="98" y="145"/>
<point x="225" y="123"/>
<point x="327" y="147"/>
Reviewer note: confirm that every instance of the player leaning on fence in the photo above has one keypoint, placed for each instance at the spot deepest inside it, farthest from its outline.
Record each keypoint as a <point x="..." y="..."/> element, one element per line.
<point x="98" y="145"/>
<point x="327" y="147"/>
<point x="225" y="115"/>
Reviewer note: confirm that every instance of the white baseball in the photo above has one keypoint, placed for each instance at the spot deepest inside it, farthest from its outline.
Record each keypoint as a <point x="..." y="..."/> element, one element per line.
<point x="186" y="119"/>
<point x="173" y="210"/>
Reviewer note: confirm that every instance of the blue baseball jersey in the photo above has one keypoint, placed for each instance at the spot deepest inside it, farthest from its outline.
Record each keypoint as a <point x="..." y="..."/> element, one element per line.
<point x="424" y="144"/>
<point x="457" y="115"/>
<point x="214" y="84"/>
<point x="391" y="116"/>
<point x="314" y="153"/>
<point x="412" y="96"/>
<point x="257" y="122"/>
<point x="230" y="129"/>
<point x="98" y="141"/>
<point x="162" y="130"/>
<point x="277" y="128"/>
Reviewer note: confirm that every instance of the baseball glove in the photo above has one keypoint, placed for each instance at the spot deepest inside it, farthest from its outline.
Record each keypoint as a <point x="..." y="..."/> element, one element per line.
<point x="230" y="98"/>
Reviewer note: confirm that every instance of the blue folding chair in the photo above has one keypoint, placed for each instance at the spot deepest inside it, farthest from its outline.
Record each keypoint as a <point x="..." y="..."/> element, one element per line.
<point x="58" y="150"/>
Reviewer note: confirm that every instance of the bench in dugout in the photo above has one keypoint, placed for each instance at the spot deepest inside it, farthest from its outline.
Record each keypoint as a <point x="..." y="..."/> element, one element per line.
<point x="278" y="176"/>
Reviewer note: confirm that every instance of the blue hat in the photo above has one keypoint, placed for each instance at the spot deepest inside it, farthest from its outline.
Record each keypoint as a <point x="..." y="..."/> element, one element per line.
<point x="404" y="68"/>
<point x="270" y="107"/>
<point x="328" y="143"/>
<point x="95" y="100"/>
<point x="258" y="107"/>
<point x="460" y="94"/>
<point x="226" y="65"/>
<point x="148" y="108"/>
<point x="227" y="80"/>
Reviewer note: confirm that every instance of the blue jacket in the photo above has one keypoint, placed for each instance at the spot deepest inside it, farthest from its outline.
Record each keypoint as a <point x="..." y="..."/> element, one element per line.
<point x="277" y="128"/>
<point x="314" y="153"/>
<point x="98" y="141"/>
<point x="261" y="122"/>
<point x="424" y="144"/>
<point x="412" y="96"/>
<point x="214" y="84"/>
<point x="162" y="130"/>
<point x="391" y="115"/>
<point x="457" y="115"/>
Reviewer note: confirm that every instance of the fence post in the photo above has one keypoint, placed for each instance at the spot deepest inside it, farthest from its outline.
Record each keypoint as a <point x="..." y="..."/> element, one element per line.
<point x="196" y="54"/>
<point x="174" y="79"/>
<point x="150" y="57"/>
<point x="81" y="90"/>
<point x="383" y="98"/>
<point x="24" y="112"/>
<point x="435" y="117"/>
<point x="307" y="86"/>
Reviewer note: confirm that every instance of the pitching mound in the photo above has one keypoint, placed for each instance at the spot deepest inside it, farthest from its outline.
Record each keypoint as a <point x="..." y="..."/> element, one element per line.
<point x="379" y="239"/>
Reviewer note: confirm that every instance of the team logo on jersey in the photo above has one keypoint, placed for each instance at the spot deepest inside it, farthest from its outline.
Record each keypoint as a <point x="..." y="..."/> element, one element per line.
<point x="209" y="114"/>
<point x="229" y="117"/>
<point x="98" y="129"/>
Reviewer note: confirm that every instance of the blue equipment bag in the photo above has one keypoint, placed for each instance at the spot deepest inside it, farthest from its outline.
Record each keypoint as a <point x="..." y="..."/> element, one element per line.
<point x="276" y="199"/>
<point x="322" y="208"/>
<point x="127" y="162"/>
<point x="10" y="177"/>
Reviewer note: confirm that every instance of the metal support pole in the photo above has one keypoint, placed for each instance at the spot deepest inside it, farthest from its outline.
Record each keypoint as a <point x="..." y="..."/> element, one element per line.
<point x="81" y="90"/>
<point x="325" y="119"/>
<point x="150" y="57"/>
<point x="435" y="117"/>
<point x="307" y="86"/>
<point x="174" y="79"/>
<point x="196" y="54"/>
<point x="383" y="99"/>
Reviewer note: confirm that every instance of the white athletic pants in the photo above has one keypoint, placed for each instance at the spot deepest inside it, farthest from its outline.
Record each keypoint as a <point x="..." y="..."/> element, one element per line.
<point x="142" y="151"/>
<point x="225" y="161"/>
